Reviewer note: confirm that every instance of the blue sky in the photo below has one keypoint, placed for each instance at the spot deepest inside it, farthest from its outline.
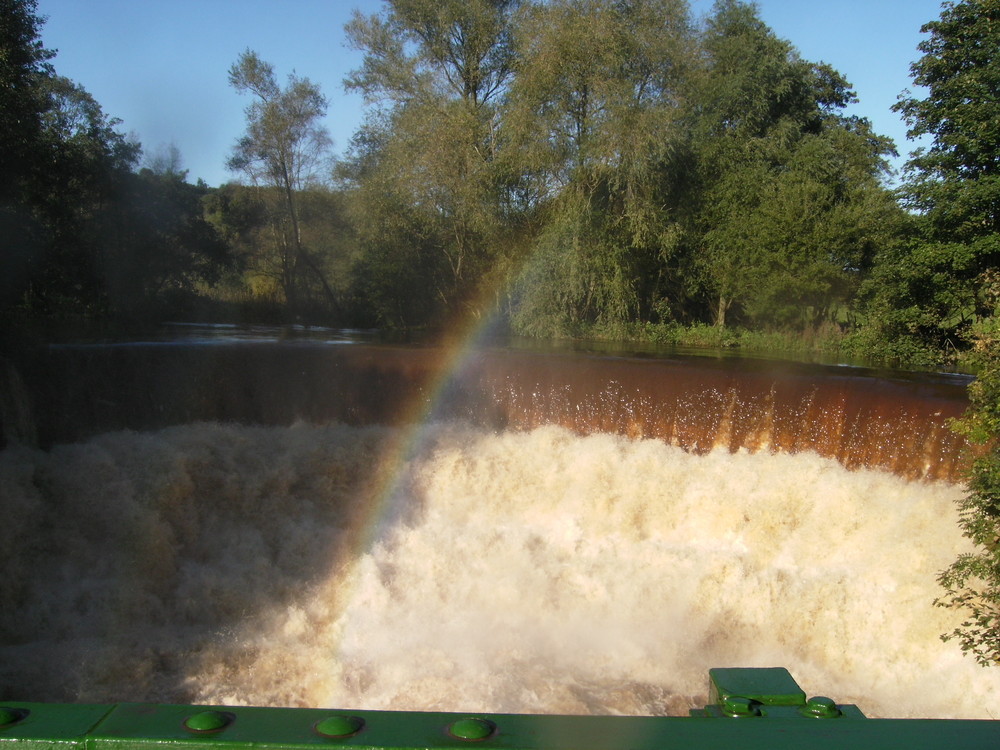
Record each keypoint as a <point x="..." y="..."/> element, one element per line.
<point x="161" y="65"/>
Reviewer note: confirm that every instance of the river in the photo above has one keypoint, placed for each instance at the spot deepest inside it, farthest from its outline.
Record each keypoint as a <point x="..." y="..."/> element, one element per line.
<point x="324" y="522"/>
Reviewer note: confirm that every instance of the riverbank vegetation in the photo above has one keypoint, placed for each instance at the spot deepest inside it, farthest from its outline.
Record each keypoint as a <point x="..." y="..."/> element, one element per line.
<point x="951" y="272"/>
<point x="571" y="168"/>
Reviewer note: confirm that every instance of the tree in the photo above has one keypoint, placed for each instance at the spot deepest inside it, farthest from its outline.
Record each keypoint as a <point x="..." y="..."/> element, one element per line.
<point x="24" y="65"/>
<point x="424" y="171"/>
<point x="792" y="207"/>
<point x="421" y="49"/>
<point x="84" y="235"/>
<point x="283" y="151"/>
<point x="931" y="288"/>
<point x="595" y="123"/>
<point x="955" y="186"/>
<point x="166" y="160"/>
<point x="972" y="582"/>
<point x="86" y="163"/>
<point x="158" y="244"/>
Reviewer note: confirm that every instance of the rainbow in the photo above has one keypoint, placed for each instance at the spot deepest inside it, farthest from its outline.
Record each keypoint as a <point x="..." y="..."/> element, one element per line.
<point x="458" y="348"/>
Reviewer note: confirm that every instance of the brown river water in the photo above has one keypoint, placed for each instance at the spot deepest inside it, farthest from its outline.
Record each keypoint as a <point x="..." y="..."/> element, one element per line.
<point x="376" y="527"/>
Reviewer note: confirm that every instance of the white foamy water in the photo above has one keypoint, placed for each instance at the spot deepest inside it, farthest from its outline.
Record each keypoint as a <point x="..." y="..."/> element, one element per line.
<point x="515" y="572"/>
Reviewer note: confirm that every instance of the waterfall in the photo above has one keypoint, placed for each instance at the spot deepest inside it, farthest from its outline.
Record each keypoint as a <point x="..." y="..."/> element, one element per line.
<point x="563" y="535"/>
<point x="895" y="423"/>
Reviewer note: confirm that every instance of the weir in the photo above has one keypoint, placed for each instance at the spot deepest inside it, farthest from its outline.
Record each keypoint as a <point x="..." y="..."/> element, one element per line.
<point x="346" y="527"/>
<point x="894" y="423"/>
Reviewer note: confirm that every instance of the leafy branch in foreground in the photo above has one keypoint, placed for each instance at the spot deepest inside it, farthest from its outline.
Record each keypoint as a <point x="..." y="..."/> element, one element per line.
<point x="972" y="582"/>
<point x="955" y="186"/>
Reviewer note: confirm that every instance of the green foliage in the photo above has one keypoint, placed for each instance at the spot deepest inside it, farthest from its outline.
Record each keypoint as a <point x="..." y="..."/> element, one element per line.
<point x="953" y="187"/>
<point x="581" y="165"/>
<point x="944" y="284"/>
<point x="158" y="243"/>
<point x="72" y="202"/>
<point x="960" y="70"/>
<point x="593" y="125"/>
<point x="661" y="168"/>
<point x="698" y="335"/>
<point x="253" y="282"/>
<point x="420" y="49"/>
<point x="427" y="185"/>
<point x="917" y="303"/>
<point x="400" y="275"/>
<point x="792" y="248"/>
<point x="577" y="276"/>
<point x="284" y="152"/>
<point x="23" y="66"/>
<point x="972" y="582"/>
<point x="85" y="236"/>
<point x="609" y="162"/>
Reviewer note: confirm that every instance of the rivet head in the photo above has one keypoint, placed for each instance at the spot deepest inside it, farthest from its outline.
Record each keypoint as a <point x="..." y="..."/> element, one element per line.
<point x="735" y="705"/>
<point x="472" y="729"/>
<point x="820" y="707"/>
<point x="339" y="726"/>
<point x="10" y="716"/>
<point x="208" y="721"/>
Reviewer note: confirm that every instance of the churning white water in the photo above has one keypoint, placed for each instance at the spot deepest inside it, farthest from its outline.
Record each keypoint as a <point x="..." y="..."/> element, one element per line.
<point x="515" y="572"/>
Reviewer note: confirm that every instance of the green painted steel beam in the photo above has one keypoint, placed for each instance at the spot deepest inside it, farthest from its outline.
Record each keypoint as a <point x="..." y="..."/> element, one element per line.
<point x="53" y="726"/>
<point x="745" y="692"/>
<point x="770" y="686"/>
<point x="780" y="718"/>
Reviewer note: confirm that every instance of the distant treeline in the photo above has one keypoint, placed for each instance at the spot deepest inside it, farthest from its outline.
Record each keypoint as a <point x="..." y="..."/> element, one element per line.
<point x="600" y="168"/>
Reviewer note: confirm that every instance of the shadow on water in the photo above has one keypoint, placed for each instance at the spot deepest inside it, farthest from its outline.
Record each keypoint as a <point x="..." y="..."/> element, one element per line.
<point x="154" y="564"/>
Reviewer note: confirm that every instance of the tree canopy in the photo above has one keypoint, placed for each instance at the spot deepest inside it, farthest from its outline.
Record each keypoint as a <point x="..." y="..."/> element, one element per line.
<point x="284" y="151"/>
<point x="84" y="234"/>
<point x="926" y="294"/>
<point x="424" y="167"/>
<point x="598" y="163"/>
<point x="577" y="167"/>
<point x="949" y="274"/>
<point x="790" y="250"/>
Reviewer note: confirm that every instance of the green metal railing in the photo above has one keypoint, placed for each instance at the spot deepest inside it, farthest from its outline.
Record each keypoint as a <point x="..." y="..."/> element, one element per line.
<point x="748" y="709"/>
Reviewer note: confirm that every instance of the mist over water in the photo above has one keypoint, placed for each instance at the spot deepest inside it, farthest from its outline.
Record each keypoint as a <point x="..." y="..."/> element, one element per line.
<point x="532" y="571"/>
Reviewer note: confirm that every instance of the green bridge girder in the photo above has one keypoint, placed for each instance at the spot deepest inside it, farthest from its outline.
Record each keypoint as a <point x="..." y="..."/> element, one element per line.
<point x="749" y="708"/>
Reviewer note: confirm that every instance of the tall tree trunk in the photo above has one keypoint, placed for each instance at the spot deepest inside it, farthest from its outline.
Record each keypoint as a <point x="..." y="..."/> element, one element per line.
<point x="720" y="311"/>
